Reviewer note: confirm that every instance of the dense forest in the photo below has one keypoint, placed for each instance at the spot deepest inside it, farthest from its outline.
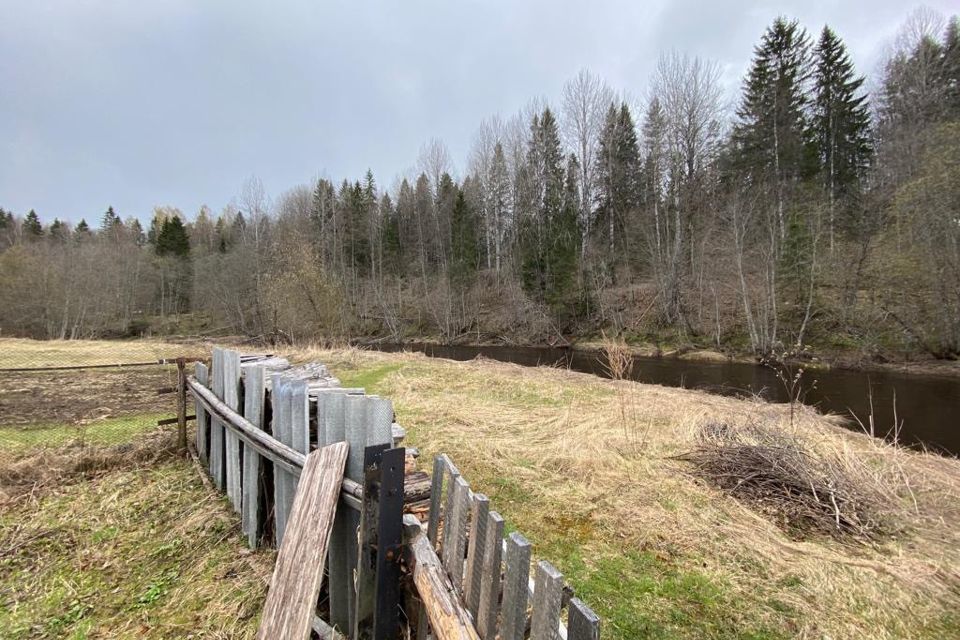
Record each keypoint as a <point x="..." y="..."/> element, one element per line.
<point x="822" y="209"/>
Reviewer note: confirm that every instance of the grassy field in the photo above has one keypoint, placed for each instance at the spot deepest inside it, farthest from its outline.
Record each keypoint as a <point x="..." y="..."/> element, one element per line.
<point x="104" y="531"/>
<point x="126" y="542"/>
<point x="585" y="468"/>
<point x="131" y="549"/>
<point x="22" y="352"/>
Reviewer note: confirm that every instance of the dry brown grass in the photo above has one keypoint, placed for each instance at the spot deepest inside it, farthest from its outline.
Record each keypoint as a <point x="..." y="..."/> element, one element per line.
<point x="550" y="447"/>
<point x="24" y="352"/>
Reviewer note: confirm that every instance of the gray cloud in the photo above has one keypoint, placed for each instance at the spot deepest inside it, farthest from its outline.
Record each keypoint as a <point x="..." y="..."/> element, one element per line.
<point x="177" y="102"/>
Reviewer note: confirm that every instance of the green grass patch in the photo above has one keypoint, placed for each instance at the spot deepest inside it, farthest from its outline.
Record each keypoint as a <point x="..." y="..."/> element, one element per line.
<point x="144" y="553"/>
<point x="370" y="378"/>
<point x="18" y="440"/>
<point x="641" y="595"/>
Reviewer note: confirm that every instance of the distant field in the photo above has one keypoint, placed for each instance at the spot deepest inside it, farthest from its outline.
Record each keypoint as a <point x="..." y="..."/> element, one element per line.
<point x="23" y="352"/>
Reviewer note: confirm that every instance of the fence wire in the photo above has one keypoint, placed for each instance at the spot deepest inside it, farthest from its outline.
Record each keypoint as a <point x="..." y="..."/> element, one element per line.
<point x="70" y="395"/>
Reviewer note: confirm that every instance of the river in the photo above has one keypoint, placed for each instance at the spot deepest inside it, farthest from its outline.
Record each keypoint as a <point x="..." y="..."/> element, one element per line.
<point x="926" y="407"/>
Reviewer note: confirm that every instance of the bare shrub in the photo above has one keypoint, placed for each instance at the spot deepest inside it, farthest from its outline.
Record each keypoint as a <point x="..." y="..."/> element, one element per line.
<point x="779" y="474"/>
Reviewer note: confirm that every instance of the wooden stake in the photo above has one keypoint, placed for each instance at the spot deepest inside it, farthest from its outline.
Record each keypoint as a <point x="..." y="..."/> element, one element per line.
<point x="181" y="404"/>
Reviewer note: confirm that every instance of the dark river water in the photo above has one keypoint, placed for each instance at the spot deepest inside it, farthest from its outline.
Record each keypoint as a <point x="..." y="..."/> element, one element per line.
<point x="927" y="407"/>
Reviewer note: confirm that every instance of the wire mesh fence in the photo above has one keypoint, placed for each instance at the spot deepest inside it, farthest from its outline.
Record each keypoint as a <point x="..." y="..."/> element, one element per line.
<point x="68" y="395"/>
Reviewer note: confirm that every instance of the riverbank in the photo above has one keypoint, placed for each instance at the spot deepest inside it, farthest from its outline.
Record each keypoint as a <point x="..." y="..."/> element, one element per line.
<point x="918" y="364"/>
<point x="589" y="469"/>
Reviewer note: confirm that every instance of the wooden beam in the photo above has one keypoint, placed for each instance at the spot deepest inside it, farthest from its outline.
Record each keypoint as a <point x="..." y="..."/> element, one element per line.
<point x="288" y="612"/>
<point x="449" y="619"/>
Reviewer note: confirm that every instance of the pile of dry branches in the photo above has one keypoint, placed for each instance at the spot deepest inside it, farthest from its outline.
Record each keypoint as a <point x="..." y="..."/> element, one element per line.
<point x="777" y="473"/>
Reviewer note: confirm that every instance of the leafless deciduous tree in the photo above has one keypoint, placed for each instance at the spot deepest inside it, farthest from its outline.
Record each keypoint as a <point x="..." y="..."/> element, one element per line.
<point x="586" y="98"/>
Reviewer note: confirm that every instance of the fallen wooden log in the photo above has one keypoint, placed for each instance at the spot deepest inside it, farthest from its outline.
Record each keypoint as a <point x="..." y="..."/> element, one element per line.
<point x="448" y="618"/>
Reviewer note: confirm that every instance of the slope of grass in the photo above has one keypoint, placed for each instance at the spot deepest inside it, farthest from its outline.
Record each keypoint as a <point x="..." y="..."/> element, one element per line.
<point x="584" y="468"/>
<point x="129" y="553"/>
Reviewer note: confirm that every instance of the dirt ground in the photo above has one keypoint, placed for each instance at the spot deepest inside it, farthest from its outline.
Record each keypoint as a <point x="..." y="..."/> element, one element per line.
<point x="81" y="396"/>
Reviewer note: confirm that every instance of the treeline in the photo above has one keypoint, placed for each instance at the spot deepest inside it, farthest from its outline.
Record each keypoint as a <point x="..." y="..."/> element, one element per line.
<point x="819" y="213"/>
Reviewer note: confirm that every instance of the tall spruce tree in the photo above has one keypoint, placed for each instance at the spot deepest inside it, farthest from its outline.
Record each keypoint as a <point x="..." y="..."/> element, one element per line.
<point x="841" y="124"/>
<point x="464" y="254"/>
<point x="32" y="228"/>
<point x="563" y="244"/>
<point x="59" y="230"/>
<point x="772" y="138"/>
<point x="618" y="181"/>
<point x="110" y="219"/>
<point x="172" y="239"/>
<point x="545" y="175"/>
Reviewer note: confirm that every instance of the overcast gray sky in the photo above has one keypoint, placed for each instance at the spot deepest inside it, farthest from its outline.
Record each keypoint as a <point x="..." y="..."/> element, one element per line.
<point x="137" y="104"/>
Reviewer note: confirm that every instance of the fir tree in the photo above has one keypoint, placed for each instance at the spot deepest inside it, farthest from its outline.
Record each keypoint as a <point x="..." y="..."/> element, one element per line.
<point x="618" y="175"/>
<point x="32" y="228"/>
<point x="545" y="174"/>
<point x="772" y="139"/>
<point x="239" y="227"/>
<point x="840" y="121"/>
<point x="464" y="257"/>
<point x="390" y="237"/>
<point x="110" y="219"/>
<point x="59" y="230"/>
<point x="83" y="229"/>
<point x="173" y="239"/>
<point x="564" y="235"/>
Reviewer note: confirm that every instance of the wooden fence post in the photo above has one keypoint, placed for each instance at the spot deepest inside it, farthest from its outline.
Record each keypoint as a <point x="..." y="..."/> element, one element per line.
<point x="203" y="419"/>
<point x="181" y="404"/>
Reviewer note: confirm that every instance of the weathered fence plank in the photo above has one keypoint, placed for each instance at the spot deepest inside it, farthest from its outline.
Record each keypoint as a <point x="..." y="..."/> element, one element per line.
<point x="480" y="509"/>
<point x="458" y="532"/>
<point x="355" y="431"/>
<point x="547" y="597"/>
<point x="254" y="388"/>
<point x="339" y="573"/>
<point x="490" y="580"/>
<point x="283" y="483"/>
<point x="203" y="425"/>
<point x="289" y="608"/>
<point x="216" y="427"/>
<point x="436" y="495"/>
<point x="582" y="622"/>
<point x="231" y="396"/>
<point x="449" y="504"/>
<point x="514" y="610"/>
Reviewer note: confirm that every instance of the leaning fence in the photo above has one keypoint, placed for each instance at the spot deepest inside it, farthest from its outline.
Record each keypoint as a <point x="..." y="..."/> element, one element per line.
<point x="388" y="574"/>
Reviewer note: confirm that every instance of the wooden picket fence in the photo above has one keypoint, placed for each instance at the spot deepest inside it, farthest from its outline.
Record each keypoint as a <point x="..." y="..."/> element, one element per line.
<point x="258" y="417"/>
